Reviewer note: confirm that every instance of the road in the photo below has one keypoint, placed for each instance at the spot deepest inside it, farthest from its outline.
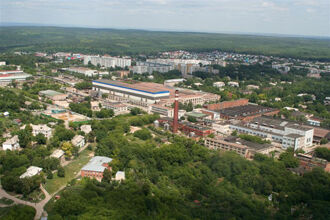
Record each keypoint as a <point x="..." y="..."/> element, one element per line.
<point x="39" y="207"/>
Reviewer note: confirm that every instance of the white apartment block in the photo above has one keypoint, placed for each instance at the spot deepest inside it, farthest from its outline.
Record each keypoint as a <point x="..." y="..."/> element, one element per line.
<point x="107" y="62"/>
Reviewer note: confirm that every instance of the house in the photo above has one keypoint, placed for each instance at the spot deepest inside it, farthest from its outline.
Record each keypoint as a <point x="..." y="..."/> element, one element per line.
<point x="78" y="141"/>
<point x="58" y="154"/>
<point x="11" y="144"/>
<point x="219" y="84"/>
<point x="120" y="175"/>
<point x="96" y="167"/>
<point x="41" y="129"/>
<point x="233" y="84"/>
<point x="95" y="106"/>
<point x="86" y="128"/>
<point x="31" y="171"/>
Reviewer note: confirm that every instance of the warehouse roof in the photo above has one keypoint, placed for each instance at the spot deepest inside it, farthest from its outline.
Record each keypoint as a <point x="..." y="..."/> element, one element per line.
<point x="96" y="164"/>
<point x="153" y="88"/>
<point x="50" y="93"/>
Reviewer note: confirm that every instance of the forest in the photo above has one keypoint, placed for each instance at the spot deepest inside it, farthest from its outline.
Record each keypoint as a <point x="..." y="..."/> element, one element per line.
<point x="132" y="42"/>
<point x="184" y="180"/>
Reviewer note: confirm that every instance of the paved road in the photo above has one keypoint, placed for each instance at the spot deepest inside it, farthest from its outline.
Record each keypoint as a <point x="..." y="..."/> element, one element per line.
<point x="39" y="207"/>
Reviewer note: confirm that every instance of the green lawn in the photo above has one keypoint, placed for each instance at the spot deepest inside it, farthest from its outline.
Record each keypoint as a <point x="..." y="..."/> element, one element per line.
<point x="71" y="170"/>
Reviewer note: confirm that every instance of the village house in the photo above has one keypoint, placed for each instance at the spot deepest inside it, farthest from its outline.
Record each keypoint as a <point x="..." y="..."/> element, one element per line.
<point x="120" y="176"/>
<point x="11" y="144"/>
<point x="96" y="167"/>
<point x="78" y="141"/>
<point x="31" y="171"/>
<point x="86" y="128"/>
<point x="41" y="129"/>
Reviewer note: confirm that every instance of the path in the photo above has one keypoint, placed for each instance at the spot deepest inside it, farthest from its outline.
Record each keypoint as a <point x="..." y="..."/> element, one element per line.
<point x="39" y="207"/>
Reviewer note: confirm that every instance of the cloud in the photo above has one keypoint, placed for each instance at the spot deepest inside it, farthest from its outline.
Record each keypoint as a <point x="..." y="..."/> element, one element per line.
<point x="276" y="16"/>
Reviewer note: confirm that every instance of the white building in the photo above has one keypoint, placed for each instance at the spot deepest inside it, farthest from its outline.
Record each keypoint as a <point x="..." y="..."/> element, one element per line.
<point x="219" y="84"/>
<point x="150" y="67"/>
<point x="107" y="61"/>
<point x="11" y="144"/>
<point x="40" y="129"/>
<point x="287" y="133"/>
<point x="78" y="141"/>
<point x="250" y="87"/>
<point x="31" y="171"/>
<point x="86" y="128"/>
<point x="2" y="63"/>
<point x="233" y="84"/>
<point x="120" y="176"/>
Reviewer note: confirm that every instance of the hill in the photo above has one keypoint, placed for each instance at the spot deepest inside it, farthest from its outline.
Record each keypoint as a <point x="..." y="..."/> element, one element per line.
<point x="120" y="42"/>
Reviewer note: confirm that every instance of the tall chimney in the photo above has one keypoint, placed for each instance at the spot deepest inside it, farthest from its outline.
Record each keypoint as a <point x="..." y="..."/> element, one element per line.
<point x="176" y="112"/>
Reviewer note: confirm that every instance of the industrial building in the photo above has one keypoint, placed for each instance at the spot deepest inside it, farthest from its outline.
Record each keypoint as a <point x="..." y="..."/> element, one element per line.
<point x="289" y="134"/>
<point x="244" y="148"/>
<point x="53" y="95"/>
<point x="140" y="92"/>
<point x="247" y="112"/>
<point x="7" y="76"/>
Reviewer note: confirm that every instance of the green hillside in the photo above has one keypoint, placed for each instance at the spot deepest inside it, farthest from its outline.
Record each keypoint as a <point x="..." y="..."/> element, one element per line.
<point x="116" y="42"/>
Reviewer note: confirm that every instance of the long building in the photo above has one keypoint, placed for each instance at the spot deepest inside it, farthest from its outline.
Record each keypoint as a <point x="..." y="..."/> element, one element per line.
<point x="140" y="92"/>
<point x="289" y="134"/>
<point x="107" y="61"/>
<point x="7" y="76"/>
<point x="150" y="67"/>
<point x="244" y="148"/>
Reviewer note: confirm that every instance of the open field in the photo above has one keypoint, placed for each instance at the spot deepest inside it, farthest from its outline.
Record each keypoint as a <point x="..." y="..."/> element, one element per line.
<point x="117" y="42"/>
<point x="71" y="171"/>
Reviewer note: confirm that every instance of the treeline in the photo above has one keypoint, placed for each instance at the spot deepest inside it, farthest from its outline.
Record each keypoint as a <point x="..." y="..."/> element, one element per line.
<point x="132" y="42"/>
<point x="184" y="180"/>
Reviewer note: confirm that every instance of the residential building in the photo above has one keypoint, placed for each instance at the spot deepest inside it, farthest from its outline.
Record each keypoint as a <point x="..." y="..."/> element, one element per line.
<point x="78" y="141"/>
<point x="41" y="129"/>
<point x="219" y="84"/>
<point x="86" y="128"/>
<point x="31" y="171"/>
<point x="58" y="154"/>
<point x="107" y="61"/>
<point x="120" y="176"/>
<point x="95" y="167"/>
<point x="11" y="144"/>
<point x="233" y="84"/>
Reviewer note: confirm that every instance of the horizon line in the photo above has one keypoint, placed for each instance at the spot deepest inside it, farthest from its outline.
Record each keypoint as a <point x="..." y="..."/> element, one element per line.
<point x="19" y="24"/>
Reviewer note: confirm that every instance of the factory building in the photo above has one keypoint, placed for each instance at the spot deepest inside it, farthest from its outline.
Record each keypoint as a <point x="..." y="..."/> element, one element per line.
<point x="149" y="93"/>
<point x="289" y="134"/>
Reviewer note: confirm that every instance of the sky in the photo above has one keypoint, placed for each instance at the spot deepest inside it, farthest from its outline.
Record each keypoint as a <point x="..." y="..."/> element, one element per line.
<point x="292" y="17"/>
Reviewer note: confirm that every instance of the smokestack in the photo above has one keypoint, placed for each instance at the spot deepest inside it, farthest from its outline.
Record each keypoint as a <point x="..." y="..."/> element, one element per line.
<point x="176" y="112"/>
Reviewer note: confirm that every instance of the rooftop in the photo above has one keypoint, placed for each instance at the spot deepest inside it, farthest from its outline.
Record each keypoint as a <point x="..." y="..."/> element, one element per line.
<point x="148" y="87"/>
<point x="50" y="93"/>
<point x="245" y="110"/>
<point x="31" y="171"/>
<point x="96" y="164"/>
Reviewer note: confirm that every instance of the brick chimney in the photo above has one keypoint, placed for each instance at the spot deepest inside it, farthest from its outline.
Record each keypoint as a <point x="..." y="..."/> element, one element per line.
<point x="176" y="112"/>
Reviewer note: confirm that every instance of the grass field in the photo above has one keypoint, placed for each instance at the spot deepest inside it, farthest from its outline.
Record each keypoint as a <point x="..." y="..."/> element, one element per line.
<point x="71" y="170"/>
<point x="130" y="42"/>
